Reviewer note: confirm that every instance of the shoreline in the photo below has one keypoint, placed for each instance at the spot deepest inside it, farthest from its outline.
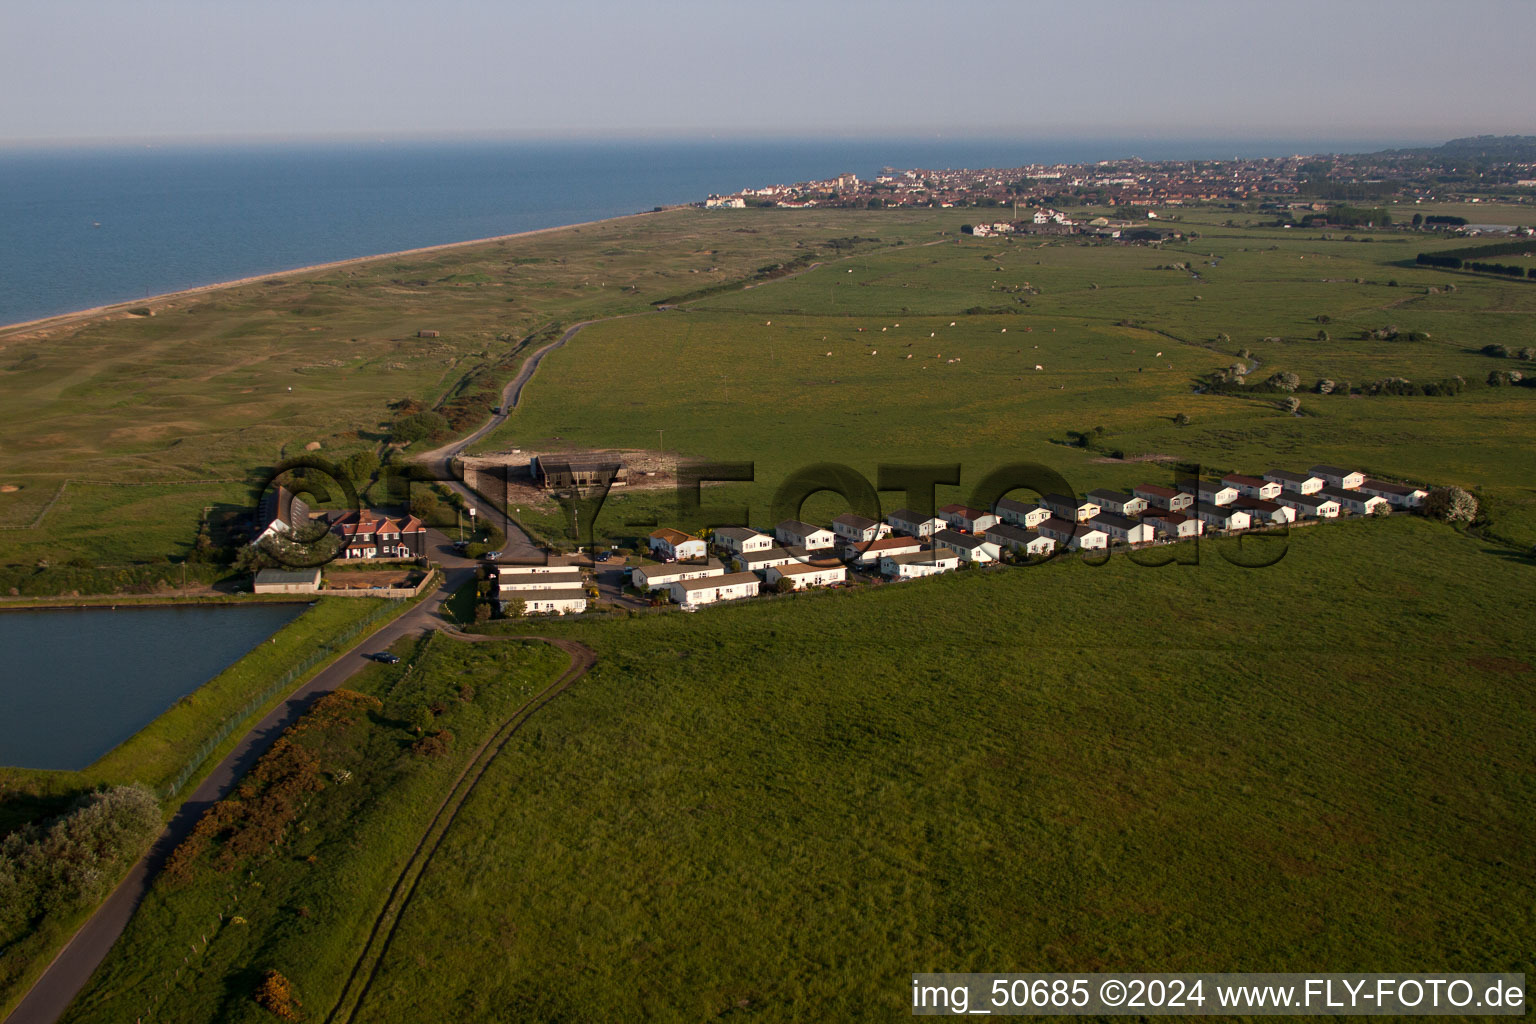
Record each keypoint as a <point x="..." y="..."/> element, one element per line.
<point x="66" y="319"/>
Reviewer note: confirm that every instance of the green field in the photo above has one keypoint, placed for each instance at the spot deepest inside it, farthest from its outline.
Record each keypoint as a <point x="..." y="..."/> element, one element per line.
<point x="784" y="808"/>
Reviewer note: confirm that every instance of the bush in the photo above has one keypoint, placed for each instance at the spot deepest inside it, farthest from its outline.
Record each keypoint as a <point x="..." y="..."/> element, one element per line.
<point x="275" y="995"/>
<point x="1450" y="504"/>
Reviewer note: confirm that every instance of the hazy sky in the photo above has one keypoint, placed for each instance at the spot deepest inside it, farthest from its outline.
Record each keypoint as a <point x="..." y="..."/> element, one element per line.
<point x="140" y="69"/>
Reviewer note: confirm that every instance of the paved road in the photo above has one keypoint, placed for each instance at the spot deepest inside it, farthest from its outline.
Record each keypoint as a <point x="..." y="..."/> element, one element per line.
<point x="72" y="968"/>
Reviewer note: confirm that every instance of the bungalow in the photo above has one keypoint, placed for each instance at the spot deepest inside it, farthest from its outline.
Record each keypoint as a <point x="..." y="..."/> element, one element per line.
<point x="757" y="561"/>
<point x="1174" y="525"/>
<point x="1298" y="483"/>
<point x="859" y="528"/>
<point x="962" y="517"/>
<point x="968" y="546"/>
<point x="1252" y="486"/>
<point x="675" y="545"/>
<point x="1006" y="535"/>
<point x="1021" y="513"/>
<point x="730" y="587"/>
<point x="1216" y="493"/>
<point x="794" y="533"/>
<point x="1068" y="507"/>
<point x="914" y="524"/>
<point x="1358" y="502"/>
<point x="741" y="539"/>
<point x="1400" y="495"/>
<point x="1344" y="479"/>
<point x="1074" y="536"/>
<point x="654" y="577"/>
<point x="1166" y="498"/>
<point x="1311" y="504"/>
<point x="569" y="601"/>
<point x="918" y="563"/>
<point x="1222" y="518"/>
<point x="1122" y="530"/>
<point x="868" y="553"/>
<point x="1118" y="502"/>
<point x="1267" y="513"/>
<point x="802" y="575"/>
<point x="515" y="580"/>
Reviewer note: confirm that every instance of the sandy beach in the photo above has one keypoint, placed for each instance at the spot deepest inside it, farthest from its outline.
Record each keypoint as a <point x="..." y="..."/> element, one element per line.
<point x="47" y="323"/>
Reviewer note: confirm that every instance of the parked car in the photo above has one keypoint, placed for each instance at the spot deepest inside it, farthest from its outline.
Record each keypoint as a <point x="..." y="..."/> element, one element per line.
<point x="491" y="556"/>
<point x="385" y="657"/>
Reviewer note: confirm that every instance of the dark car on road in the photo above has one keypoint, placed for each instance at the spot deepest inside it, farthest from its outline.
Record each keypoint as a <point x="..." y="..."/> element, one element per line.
<point x="385" y="657"/>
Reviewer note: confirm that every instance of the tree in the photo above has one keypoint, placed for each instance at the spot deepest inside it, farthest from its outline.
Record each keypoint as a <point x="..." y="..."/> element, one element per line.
<point x="1527" y="353"/>
<point x="1292" y="404"/>
<point x="1182" y="419"/>
<point x="1324" y="386"/>
<point x="1324" y="336"/>
<point x="1451" y="504"/>
<point x="275" y="995"/>
<point x="1284" y="381"/>
<point x="785" y="585"/>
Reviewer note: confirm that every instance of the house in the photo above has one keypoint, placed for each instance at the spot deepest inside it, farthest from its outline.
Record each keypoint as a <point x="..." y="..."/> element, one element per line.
<point x="278" y="581"/>
<point x="1122" y="530"/>
<point x="929" y="562"/>
<point x="1344" y="479"/>
<point x="1299" y="483"/>
<point x="1310" y="504"/>
<point x="868" y="553"/>
<point x="1221" y="493"/>
<point x="968" y="546"/>
<point x="739" y="540"/>
<point x="1174" y="525"/>
<point x="1166" y="498"/>
<point x="1018" y="539"/>
<point x="858" y="528"/>
<point x="710" y="590"/>
<point x="794" y="533"/>
<point x="802" y="575"/>
<point x="1357" y="502"/>
<point x="1222" y="517"/>
<point x="562" y="472"/>
<point x="675" y="545"/>
<point x="279" y="514"/>
<point x="962" y="517"/>
<point x="566" y="601"/>
<point x="1073" y="535"/>
<point x="1265" y="513"/>
<point x="914" y="524"/>
<point x="1118" y="502"/>
<point x="1400" y="495"/>
<point x="516" y="580"/>
<point x="1068" y="507"/>
<point x="654" y="577"/>
<point x="757" y="561"/>
<point x="1252" y="486"/>
<point x="366" y="534"/>
<point x="1021" y="513"/>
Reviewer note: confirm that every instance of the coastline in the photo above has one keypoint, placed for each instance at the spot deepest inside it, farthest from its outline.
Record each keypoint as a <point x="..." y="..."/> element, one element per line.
<point x="68" y="319"/>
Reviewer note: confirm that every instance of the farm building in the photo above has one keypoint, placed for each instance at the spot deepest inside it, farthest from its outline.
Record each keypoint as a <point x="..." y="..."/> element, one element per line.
<point x="1296" y="483"/>
<point x="1252" y="486"/>
<point x="1122" y="530"/>
<point x="1344" y="479"/>
<point x="731" y="587"/>
<point x="1166" y="498"/>
<point x="740" y="539"/>
<point x="914" y="524"/>
<point x="1118" y="502"/>
<point x="676" y="545"/>
<point x="279" y="581"/>
<point x="802" y="575"/>
<point x="1068" y="507"/>
<point x="1021" y="513"/>
<point x="869" y="552"/>
<point x="972" y="520"/>
<point x="859" y="528"/>
<point x="794" y="533"/>
<point x="1007" y="535"/>
<point x="968" y="546"/>
<point x="918" y="563"/>
<point x="559" y="472"/>
<point x="654" y="577"/>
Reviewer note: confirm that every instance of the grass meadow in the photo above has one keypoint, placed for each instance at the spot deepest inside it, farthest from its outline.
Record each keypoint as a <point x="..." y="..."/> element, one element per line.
<point x="784" y="808"/>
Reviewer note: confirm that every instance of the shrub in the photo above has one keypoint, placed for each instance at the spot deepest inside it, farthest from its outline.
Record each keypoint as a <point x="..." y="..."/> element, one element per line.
<point x="1284" y="381"/>
<point x="275" y="995"/>
<point x="1292" y="404"/>
<point x="1324" y="386"/>
<point x="1450" y="504"/>
<point x="434" y="744"/>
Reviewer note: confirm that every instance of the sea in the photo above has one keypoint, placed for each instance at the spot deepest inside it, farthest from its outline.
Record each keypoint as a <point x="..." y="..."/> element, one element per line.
<point x="88" y="226"/>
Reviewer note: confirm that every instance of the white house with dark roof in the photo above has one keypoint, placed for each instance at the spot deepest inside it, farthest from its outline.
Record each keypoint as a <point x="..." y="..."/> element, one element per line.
<point x="1357" y="502"/>
<point x="1118" y="502"/>
<point x="1174" y="525"/>
<point x="1216" y="493"/>
<point x="566" y="601"/>
<point x="741" y="539"/>
<point x="1265" y="513"/>
<point x="758" y="561"/>
<point x="1073" y="535"/>
<point x="1337" y="476"/>
<point x="857" y="528"/>
<point x="1253" y="486"/>
<point x="1310" y="504"/>
<point x="1021" y="513"/>
<point x="963" y="517"/>
<point x="667" y="543"/>
<point x="919" y="563"/>
<point x="515" y="580"/>
<point x="1028" y="542"/>
<point x="1296" y="483"/>
<point x="1167" y="498"/>
<point x="794" y="533"/>
<point x="733" y="586"/>
<point x="1222" y="517"/>
<point x="654" y="577"/>
<point x="969" y="546"/>
<point x="867" y="553"/>
<point x="803" y="575"/>
<point x="914" y="524"/>
<point x="1400" y="495"/>
<point x="1122" y="529"/>
<point x="1068" y="507"/>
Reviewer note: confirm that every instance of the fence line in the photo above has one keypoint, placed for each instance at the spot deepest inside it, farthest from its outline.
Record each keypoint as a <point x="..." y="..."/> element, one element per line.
<point x="287" y="679"/>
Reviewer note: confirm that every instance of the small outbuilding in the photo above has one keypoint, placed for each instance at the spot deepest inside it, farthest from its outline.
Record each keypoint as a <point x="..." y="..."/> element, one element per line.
<point x="283" y="581"/>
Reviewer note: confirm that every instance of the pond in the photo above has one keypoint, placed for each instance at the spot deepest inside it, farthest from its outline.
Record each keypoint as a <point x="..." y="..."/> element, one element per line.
<point x="74" y="683"/>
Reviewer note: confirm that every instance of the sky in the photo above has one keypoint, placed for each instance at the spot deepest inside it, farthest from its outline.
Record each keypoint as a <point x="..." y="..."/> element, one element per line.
<point x="129" y="70"/>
